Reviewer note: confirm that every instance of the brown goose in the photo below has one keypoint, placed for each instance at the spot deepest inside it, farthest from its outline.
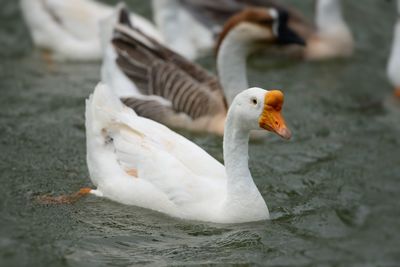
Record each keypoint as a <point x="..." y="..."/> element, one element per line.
<point x="161" y="85"/>
<point x="200" y="20"/>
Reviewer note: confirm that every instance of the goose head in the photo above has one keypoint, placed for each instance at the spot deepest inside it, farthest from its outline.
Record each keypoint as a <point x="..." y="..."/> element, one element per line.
<point x="253" y="25"/>
<point x="256" y="109"/>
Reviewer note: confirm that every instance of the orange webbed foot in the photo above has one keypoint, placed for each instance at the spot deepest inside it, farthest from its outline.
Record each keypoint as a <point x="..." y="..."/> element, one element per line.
<point x="64" y="199"/>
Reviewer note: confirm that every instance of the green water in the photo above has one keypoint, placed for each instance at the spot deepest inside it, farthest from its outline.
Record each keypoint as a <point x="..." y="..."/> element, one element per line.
<point x="333" y="190"/>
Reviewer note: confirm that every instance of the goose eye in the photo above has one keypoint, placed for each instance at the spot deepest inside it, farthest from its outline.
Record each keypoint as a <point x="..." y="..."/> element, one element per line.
<point x="254" y="101"/>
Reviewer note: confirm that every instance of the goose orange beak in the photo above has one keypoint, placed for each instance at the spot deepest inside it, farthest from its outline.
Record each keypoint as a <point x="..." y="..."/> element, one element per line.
<point x="271" y="118"/>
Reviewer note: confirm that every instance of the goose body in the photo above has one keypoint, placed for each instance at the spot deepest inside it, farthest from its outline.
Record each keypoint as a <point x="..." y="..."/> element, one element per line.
<point x="162" y="85"/>
<point x="70" y="28"/>
<point x="393" y="68"/>
<point x="136" y="161"/>
<point x="328" y="37"/>
<point x="332" y="37"/>
<point x="181" y="31"/>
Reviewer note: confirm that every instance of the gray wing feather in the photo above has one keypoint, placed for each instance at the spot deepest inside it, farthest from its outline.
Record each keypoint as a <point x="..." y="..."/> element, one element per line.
<point x="151" y="109"/>
<point x="156" y="70"/>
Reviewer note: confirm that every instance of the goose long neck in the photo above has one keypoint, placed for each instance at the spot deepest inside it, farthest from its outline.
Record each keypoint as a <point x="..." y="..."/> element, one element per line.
<point x="236" y="145"/>
<point x="231" y="65"/>
<point x="243" y="200"/>
<point x="329" y="15"/>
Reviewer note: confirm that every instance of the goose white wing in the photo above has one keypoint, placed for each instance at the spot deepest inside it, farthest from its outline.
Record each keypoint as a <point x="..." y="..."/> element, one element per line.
<point x="159" y="137"/>
<point x="120" y="143"/>
<point x="161" y="165"/>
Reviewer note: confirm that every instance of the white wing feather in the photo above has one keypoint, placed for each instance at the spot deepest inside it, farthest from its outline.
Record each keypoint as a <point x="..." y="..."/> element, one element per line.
<point x="180" y="170"/>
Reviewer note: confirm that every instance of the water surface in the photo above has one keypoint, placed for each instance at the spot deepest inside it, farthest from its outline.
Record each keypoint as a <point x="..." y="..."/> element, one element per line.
<point x="333" y="191"/>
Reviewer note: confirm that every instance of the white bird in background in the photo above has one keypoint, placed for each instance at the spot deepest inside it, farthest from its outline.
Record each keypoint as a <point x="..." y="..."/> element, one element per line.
<point x="332" y="36"/>
<point x="70" y="29"/>
<point x="393" y="68"/>
<point x="137" y="161"/>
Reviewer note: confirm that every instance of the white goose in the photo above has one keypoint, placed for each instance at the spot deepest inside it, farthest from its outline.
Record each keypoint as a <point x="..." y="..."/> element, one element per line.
<point x="201" y="20"/>
<point x="163" y="86"/>
<point x="393" y="68"/>
<point x="332" y="37"/>
<point x="70" y="28"/>
<point x="181" y="31"/>
<point x="136" y="161"/>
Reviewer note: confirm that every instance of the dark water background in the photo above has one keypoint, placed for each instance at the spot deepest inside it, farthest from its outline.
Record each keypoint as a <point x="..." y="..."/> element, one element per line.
<point x="333" y="191"/>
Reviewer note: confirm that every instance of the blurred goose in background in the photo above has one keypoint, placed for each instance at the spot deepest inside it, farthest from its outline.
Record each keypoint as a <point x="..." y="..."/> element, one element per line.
<point x="190" y="25"/>
<point x="70" y="28"/>
<point x="332" y="37"/>
<point x="393" y="68"/>
<point x="137" y="161"/>
<point x="163" y="86"/>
